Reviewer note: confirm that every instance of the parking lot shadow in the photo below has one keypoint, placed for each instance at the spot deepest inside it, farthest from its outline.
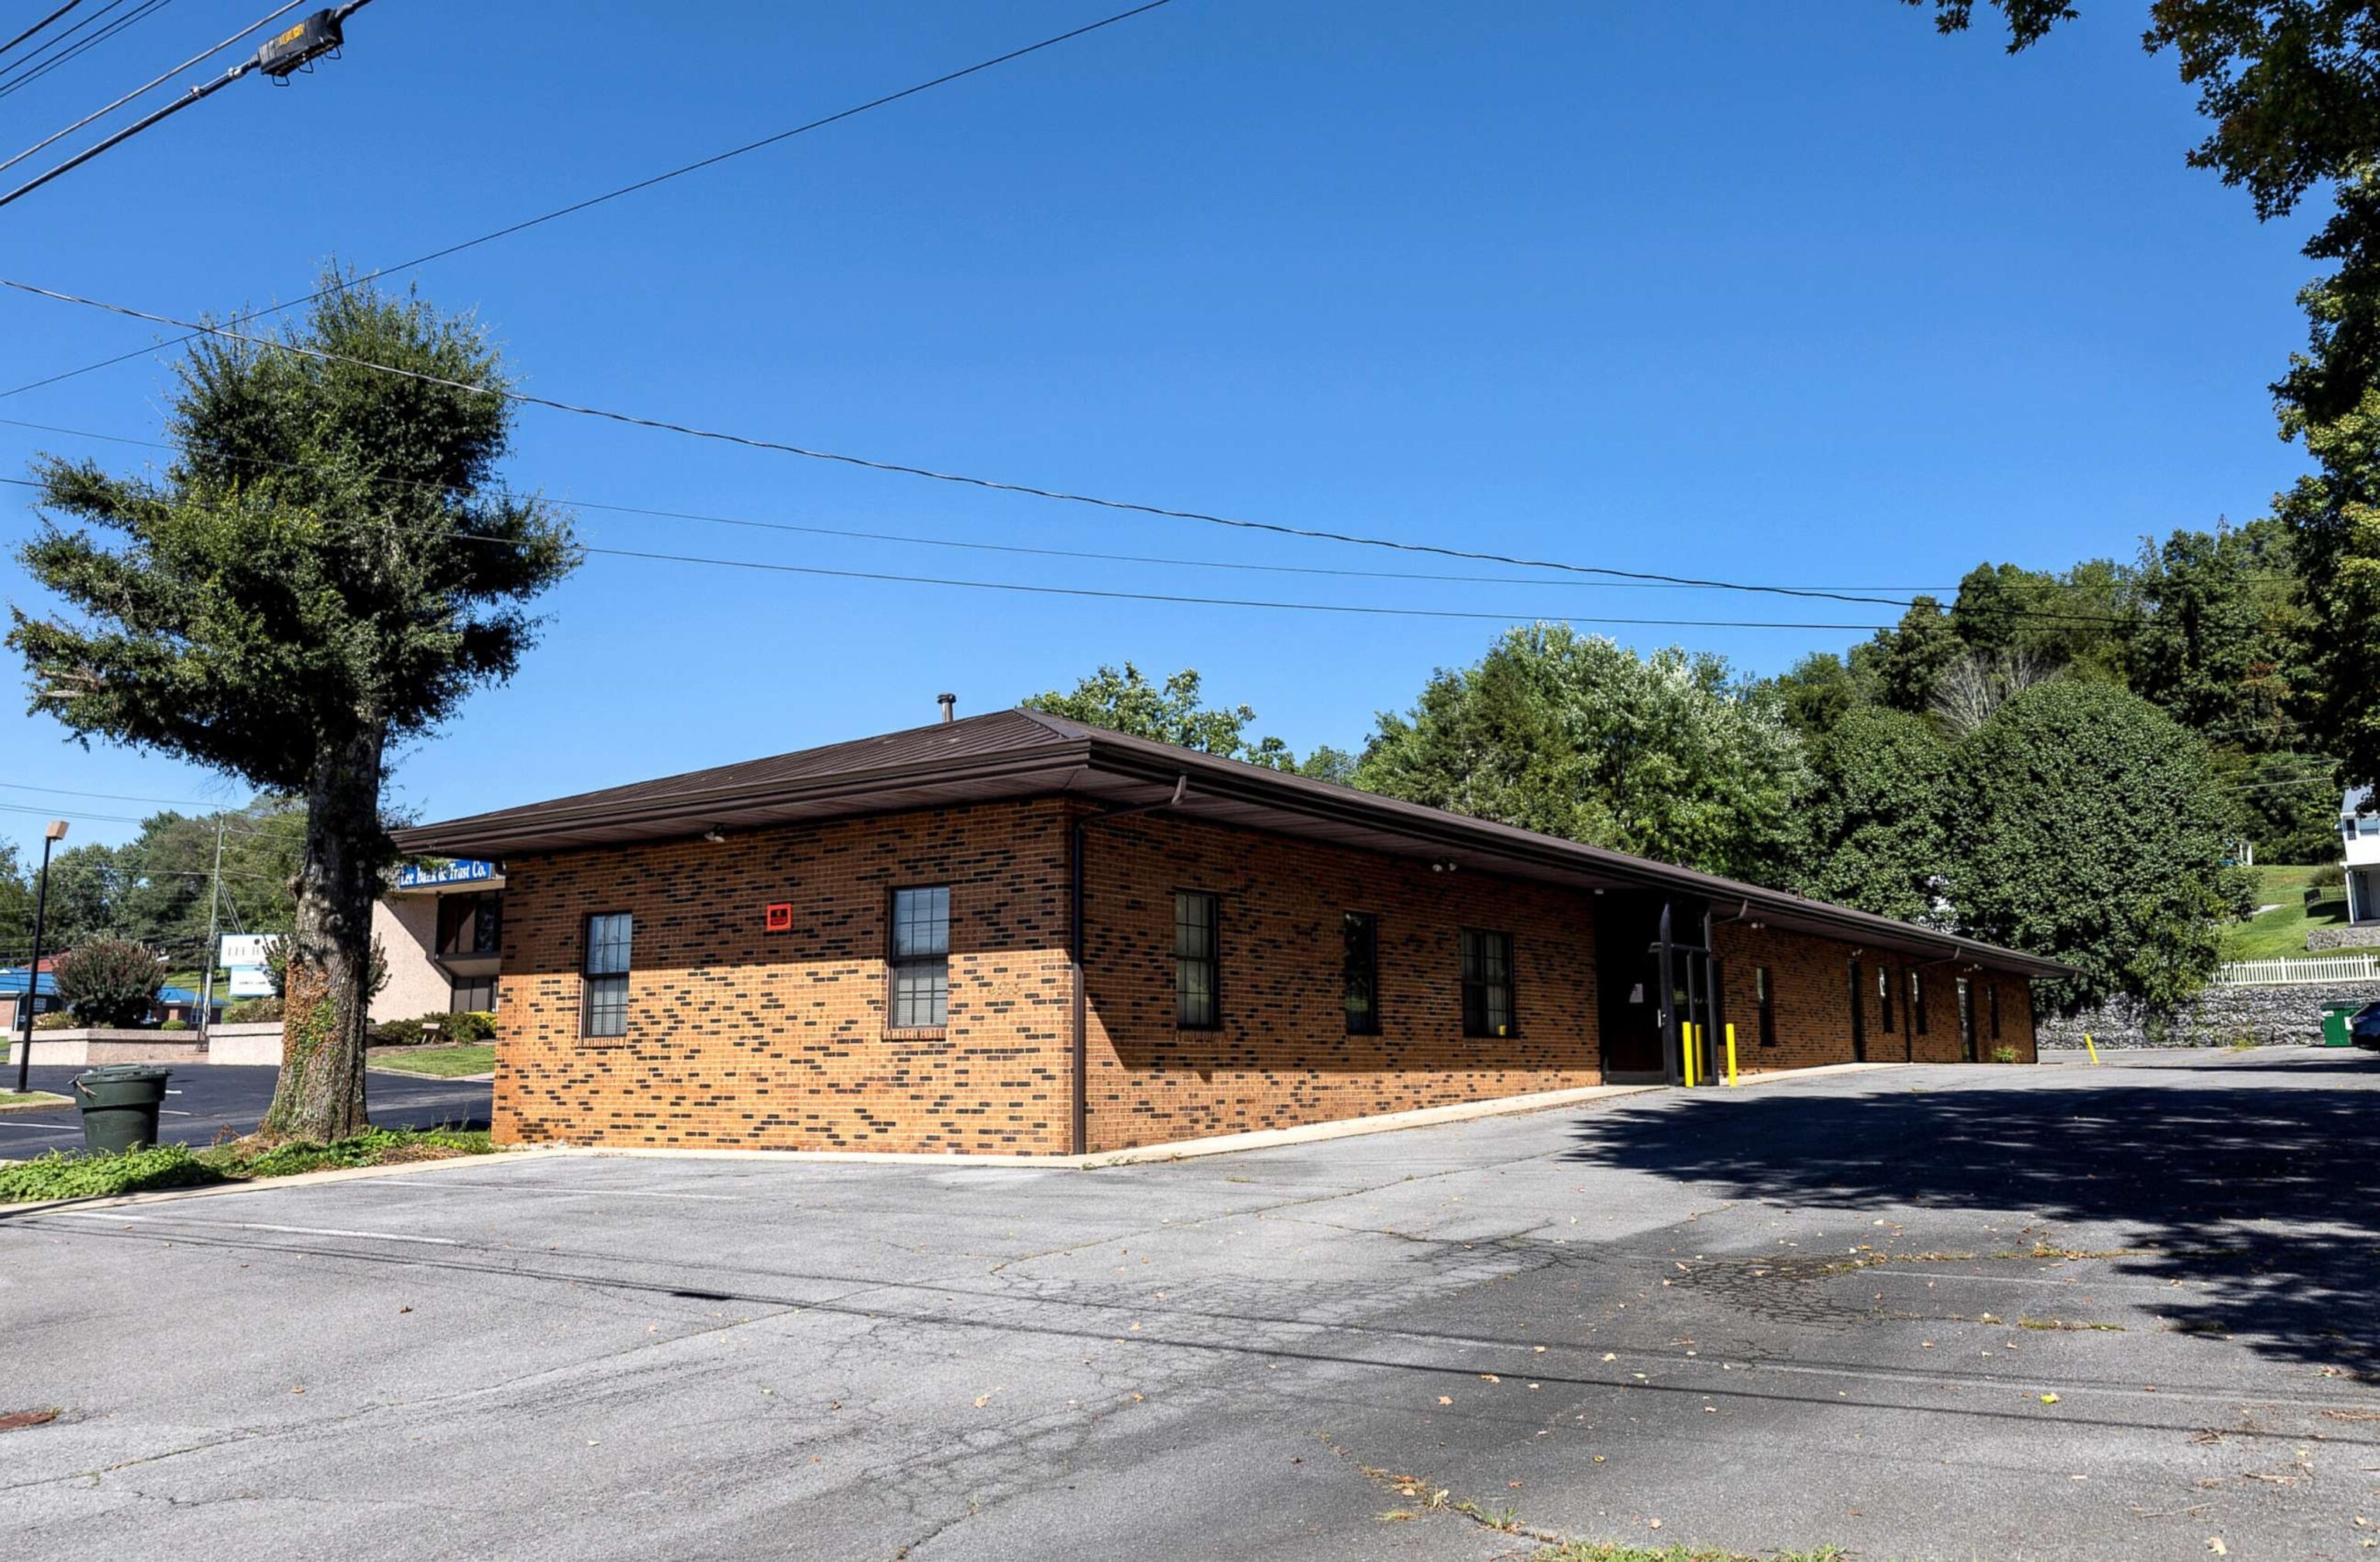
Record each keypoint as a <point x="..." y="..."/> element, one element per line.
<point x="2257" y="1192"/>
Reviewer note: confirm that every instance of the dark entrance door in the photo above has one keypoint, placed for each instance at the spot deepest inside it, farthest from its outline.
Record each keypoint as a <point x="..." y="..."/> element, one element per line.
<point x="1858" y="1017"/>
<point x="1628" y="978"/>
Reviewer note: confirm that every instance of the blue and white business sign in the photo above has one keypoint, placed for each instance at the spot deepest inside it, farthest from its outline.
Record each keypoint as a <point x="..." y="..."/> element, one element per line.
<point x="463" y="870"/>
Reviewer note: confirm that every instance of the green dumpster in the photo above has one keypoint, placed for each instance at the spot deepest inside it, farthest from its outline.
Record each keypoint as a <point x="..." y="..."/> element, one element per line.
<point x="119" y="1104"/>
<point x="2334" y="1024"/>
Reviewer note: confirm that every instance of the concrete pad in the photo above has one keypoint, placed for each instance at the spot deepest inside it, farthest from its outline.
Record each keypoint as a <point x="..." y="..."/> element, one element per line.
<point x="1919" y="1313"/>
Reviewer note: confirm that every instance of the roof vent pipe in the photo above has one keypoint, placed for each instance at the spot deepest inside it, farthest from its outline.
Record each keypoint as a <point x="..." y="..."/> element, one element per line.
<point x="950" y="705"/>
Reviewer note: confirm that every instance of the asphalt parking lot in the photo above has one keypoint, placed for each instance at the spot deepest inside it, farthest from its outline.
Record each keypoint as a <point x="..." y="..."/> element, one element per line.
<point x="211" y="1101"/>
<point x="1982" y="1312"/>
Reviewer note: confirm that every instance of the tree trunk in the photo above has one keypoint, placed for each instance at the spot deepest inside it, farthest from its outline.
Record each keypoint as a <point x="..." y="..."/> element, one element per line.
<point x="327" y="993"/>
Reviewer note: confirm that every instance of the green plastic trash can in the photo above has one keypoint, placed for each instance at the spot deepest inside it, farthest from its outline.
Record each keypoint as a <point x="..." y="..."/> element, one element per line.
<point x="119" y="1104"/>
<point x="2334" y="1024"/>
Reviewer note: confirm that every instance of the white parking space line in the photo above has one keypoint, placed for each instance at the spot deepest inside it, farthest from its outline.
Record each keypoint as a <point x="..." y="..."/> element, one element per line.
<point x="262" y="1225"/>
<point x="448" y="1184"/>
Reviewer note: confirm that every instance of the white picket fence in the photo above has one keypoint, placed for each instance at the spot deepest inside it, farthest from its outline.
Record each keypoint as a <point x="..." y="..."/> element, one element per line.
<point x="2305" y="971"/>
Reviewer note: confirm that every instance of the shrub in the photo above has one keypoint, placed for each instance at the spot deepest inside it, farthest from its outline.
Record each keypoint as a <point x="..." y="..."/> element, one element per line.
<point x="2003" y="1054"/>
<point x="472" y="1025"/>
<point x="396" y="1034"/>
<point x="56" y="1019"/>
<point x="110" y="981"/>
<point x="174" y="1025"/>
<point x="252" y="1011"/>
<point x="437" y="1026"/>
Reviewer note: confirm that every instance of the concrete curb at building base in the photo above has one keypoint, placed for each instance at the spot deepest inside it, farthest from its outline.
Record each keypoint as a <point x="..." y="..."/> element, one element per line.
<point x="1180" y="1150"/>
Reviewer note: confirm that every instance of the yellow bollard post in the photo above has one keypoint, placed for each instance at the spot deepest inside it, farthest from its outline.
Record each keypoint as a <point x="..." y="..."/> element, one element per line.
<point x="1686" y="1050"/>
<point x="1731" y="1052"/>
<point x="2092" y="1050"/>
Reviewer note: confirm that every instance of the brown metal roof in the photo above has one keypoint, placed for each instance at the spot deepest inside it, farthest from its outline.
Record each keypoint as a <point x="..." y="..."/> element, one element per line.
<point x="1010" y="754"/>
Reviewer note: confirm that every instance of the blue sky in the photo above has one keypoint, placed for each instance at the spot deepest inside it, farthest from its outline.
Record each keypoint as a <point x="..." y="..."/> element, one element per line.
<point x="1796" y="294"/>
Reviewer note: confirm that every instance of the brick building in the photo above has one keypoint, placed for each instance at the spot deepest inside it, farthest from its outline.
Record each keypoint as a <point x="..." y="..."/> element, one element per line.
<point x="1016" y="934"/>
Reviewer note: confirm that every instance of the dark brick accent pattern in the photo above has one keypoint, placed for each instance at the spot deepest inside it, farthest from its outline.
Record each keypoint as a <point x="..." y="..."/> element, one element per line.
<point x="739" y="1037"/>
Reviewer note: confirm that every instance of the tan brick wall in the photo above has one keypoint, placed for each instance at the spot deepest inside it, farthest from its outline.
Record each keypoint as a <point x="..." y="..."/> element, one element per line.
<point x="739" y="1037"/>
<point x="1810" y="979"/>
<point x="1282" y="1056"/>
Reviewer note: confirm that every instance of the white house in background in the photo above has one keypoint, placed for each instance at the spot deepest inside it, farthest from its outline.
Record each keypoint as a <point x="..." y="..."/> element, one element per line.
<point x="440" y="929"/>
<point x="2359" y="828"/>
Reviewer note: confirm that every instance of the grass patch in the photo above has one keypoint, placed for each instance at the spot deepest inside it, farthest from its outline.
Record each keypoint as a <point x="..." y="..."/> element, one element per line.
<point x="1597" y="1551"/>
<point x="31" y="1101"/>
<point x="2280" y="933"/>
<point x="85" y="1175"/>
<point x="437" y="1063"/>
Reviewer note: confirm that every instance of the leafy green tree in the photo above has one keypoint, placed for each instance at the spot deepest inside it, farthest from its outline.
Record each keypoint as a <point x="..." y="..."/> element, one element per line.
<point x="2221" y="637"/>
<point x="1668" y="756"/>
<point x="2291" y="93"/>
<point x="2085" y="826"/>
<point x="1909" y="659"/>
<point x="2285" y="805"/>
<point x="328" y="567"/>
<point x="1877" y="821"/>
<point x="169" y="869"/>
<point x="15" y="907"/>
<point x="109" y="981"/>
<point x="1819" y="691"/>
<point x="1127" y="702"/>
<point x="86" y="898"/>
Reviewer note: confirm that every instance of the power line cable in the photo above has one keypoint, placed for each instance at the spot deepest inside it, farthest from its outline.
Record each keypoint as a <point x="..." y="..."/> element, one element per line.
<point x="39" y="26"/>
<point x="37" y="67"/>
<point x="1359" y="609"/>
<point x="112" y="796"/>
<point x="259" y="61"/>
<point x="151" y="85"/>
<point x="643" y="184"/>
<point x="576" y="503"/>
<point x="1059" y="495"/>
<point x="1604" y="575"/>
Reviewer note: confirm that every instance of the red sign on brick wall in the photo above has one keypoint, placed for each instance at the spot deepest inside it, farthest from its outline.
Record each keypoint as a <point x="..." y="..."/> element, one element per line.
<point x="781" y="917"/>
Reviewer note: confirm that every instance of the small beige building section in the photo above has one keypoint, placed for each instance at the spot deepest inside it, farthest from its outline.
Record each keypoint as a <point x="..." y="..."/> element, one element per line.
<point x="406" y="927"/>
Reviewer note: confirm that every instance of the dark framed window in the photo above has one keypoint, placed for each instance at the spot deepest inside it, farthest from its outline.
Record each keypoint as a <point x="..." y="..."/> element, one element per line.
<point x="1360" y="980"/>
<point x="1198" y="964"/>
<point x="1859" y="1015"/>
<point x="606" y="974"/>
<point x="1992" y="1005"/>
<point x="1917" y="1003"/>
<point x="1487" y="983"/>
<point x="1884" y="996"/>
<point x="1763" y="1000"/>
<point x="1966" y="1018"/>
<point x="470" y="924"/>
<point x="921" y="957"/>
<point x="471" y="995"/>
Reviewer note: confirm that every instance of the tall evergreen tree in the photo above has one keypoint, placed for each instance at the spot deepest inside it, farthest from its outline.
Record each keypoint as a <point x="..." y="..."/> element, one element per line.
<point x="328" y="567"/>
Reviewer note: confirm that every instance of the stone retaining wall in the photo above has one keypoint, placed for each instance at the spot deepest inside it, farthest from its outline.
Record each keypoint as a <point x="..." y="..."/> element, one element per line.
<point x="2220" y="1016"/>
<point x="2366" y="936"/>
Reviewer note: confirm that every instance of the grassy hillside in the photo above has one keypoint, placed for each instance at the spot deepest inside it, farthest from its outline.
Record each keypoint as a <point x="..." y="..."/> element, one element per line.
<point x="2281" y="932"/>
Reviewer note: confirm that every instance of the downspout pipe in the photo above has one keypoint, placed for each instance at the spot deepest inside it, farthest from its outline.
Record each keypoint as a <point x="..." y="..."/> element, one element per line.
<point x="1080" y="1062"/>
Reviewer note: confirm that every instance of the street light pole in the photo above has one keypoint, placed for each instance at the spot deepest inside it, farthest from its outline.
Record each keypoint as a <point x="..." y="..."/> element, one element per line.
<point x="51" y="836"/>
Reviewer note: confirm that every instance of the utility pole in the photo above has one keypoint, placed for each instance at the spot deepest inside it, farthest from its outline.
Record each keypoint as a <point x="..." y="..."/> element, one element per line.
<point x="50" y="837"/>
<point x="207" y="982"/>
